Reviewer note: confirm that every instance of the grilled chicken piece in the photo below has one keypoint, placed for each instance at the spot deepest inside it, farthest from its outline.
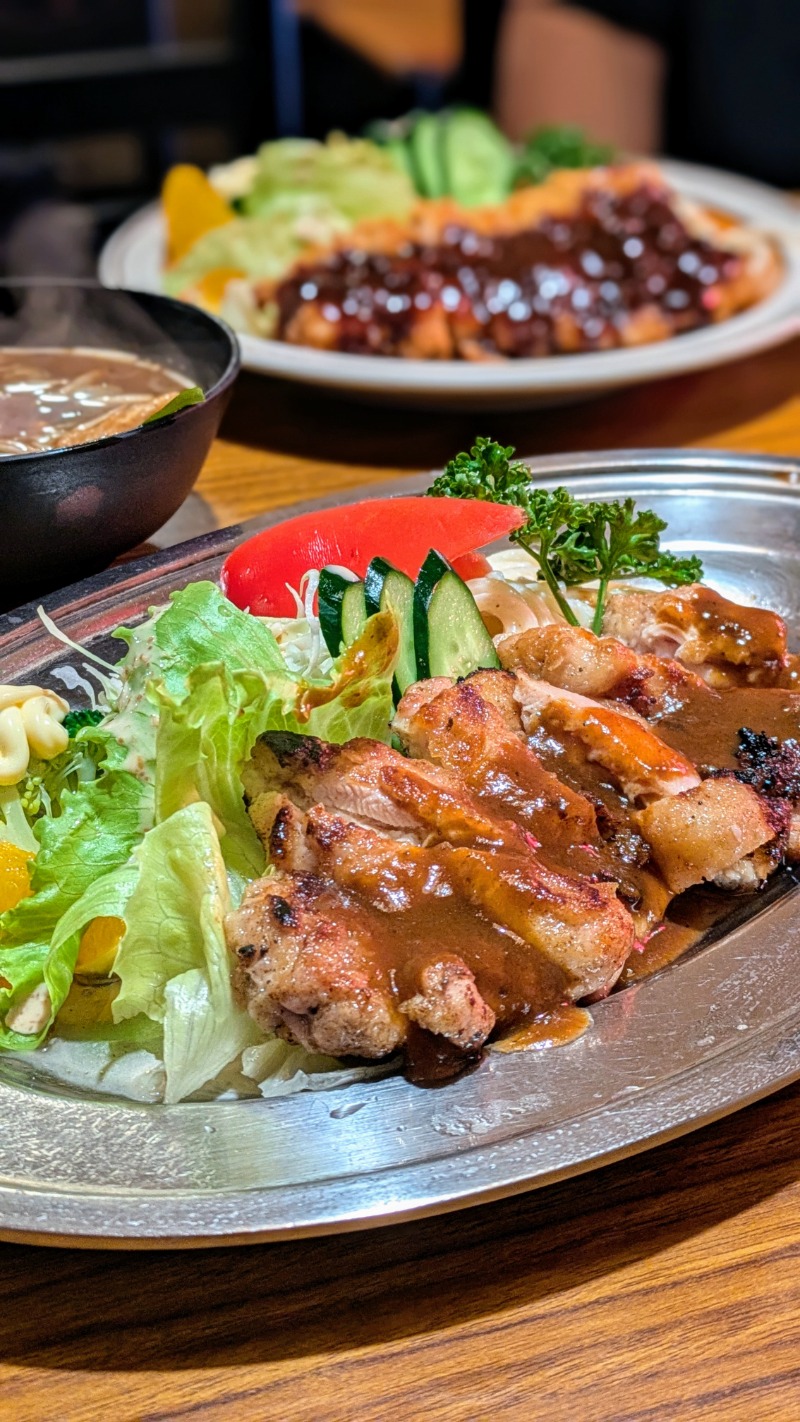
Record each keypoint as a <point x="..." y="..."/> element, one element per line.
<point x="567" y="908"/>
<point x="721" y="831"/>
<point x="305" y="967"/>
<point x="715" y="830"/>
<point x="460" y="926"/>
<point x="641" y="764"/>
<point x="731" y="645"/>
<point x="574" y="659"/>
<point x="346" y="778"/>
<point x="473" y="729"/>
<point x="578" y="926"/>
<point x="367" y="783"/>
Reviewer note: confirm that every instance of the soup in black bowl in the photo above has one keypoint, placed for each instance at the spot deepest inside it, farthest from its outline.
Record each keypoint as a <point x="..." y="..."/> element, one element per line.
<point x="89" y="464"/>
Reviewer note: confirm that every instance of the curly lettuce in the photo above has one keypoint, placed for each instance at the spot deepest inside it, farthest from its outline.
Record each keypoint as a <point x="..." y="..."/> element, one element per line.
<point x="156" y="832"/>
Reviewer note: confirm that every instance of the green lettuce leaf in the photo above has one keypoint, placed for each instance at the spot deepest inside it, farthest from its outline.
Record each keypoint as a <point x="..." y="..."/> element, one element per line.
<point x="205" y="736"/>
<point x="358" y="178"/>
<point x="95" y="833"/>
<point x="197" y="625"/>
<point x="173" y="961"/>
<point x="200" y="625"/>
<point x="203" y="742"/>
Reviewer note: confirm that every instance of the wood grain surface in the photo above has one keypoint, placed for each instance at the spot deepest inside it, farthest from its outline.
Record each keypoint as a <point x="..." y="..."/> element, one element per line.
<point x="663" y="1287"/>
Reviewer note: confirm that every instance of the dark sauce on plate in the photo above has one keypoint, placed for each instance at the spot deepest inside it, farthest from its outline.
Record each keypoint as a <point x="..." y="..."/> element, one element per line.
<point x="566" y="284"/>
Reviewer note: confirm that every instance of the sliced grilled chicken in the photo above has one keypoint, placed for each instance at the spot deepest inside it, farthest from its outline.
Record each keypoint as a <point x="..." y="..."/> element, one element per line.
<point x="601" y="667"/>
<point x="473" y="729"/>
<point x="642" y="765"/>
<point x="720" y="831"/>
<point x="469" y="929"/>
<point x="716" y="829"/>
<point x="729" y="644"/>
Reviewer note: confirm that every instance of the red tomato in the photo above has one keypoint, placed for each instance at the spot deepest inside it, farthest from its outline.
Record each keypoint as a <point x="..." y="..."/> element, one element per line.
<point x="472" y="565"/>
<point x="255" y="575"/>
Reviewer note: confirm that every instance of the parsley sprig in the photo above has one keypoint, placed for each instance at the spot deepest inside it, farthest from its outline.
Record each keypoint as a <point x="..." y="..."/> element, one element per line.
<point x="572" y="542"/>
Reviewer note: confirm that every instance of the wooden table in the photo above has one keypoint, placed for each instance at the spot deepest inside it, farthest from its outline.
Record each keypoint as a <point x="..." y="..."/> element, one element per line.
<point x="665" y="1287"/>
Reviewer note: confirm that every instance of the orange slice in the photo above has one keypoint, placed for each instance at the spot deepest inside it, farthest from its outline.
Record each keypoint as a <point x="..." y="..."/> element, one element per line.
<point x="210" y="289"/>
<point x="98" y="948"/>
<point x="15" y="881"/>
<point x="191" y="208"/>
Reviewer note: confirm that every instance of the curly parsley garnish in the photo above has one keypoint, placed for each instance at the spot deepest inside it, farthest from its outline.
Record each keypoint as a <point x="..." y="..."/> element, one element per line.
<point x="572" y="542"/>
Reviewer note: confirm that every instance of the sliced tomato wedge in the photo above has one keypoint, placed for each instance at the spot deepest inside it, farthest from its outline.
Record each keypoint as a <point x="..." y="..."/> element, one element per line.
<point x="471" y="565"/>
<point x="256" y="574"/>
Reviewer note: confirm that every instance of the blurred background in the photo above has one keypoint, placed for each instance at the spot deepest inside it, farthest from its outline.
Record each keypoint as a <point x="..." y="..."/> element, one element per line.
<point x="98" y="99"/>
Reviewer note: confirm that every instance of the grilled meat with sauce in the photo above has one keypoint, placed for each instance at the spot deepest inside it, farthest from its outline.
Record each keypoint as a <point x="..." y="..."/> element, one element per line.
<point x="538" y="826"/>
<point x="588" y="260"/>
<point x="397" y="888"/>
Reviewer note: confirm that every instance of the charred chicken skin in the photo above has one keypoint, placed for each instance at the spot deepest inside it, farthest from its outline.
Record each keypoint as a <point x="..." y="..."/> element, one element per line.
<point x="531" y="835"/>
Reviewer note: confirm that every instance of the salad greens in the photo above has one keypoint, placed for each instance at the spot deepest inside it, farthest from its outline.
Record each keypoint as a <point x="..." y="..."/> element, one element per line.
<point x="572" y="541"/>
<point x="299" y="193"/>
<point x="353" y="175"/>
<point x="142" y="820"/>
<point x="558" y="146"/>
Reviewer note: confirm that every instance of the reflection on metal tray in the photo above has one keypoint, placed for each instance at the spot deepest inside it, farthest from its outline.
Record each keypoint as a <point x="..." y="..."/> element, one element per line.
<point x="698" y="1039"/>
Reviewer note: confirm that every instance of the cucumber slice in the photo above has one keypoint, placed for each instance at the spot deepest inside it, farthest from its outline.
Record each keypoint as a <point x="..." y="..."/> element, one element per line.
<point x="342" y="609"/>
<point x="385" y="588"/>
<point x="399" y="149"/>
<point x="449" y="635"/>
<point x="354" y="613"/>
<point x="425" y="146"/>
<point x="479" y="161"/>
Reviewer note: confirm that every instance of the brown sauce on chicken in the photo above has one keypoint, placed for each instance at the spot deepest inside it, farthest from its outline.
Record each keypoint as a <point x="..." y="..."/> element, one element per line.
<point x="614" y="850"/>
<point x="534" y="848"/>
<point x="725" y="633"/>
<point x="567" y="284"/>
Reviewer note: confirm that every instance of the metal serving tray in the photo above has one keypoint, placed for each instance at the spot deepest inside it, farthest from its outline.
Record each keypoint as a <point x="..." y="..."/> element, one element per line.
<point x="701" y="1038"/>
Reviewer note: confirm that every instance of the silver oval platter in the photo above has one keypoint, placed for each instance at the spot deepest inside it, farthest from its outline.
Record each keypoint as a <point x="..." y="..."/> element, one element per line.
<point x="711" y="1033"/>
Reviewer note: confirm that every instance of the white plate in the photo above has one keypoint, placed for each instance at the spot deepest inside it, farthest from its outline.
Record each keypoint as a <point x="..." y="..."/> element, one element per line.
<point x="133" y="258"/>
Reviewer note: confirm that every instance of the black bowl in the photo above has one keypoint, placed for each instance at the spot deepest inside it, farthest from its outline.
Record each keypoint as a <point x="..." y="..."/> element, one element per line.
<point x="65" y="513"/>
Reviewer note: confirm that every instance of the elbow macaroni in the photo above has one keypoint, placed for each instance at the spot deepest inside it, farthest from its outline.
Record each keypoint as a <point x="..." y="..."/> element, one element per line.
<point x="30" y="724"/>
